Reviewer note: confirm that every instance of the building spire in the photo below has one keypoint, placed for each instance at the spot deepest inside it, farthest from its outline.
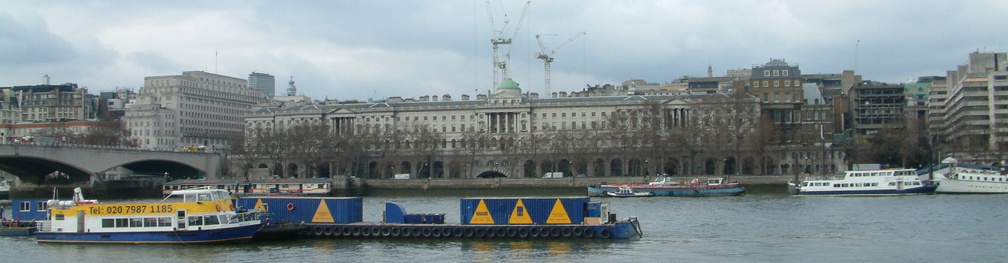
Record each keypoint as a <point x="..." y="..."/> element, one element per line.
<point x="291" y="89"/>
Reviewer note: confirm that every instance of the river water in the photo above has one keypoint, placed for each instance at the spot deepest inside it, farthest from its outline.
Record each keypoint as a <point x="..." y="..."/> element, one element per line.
<point x="756" y="227"/>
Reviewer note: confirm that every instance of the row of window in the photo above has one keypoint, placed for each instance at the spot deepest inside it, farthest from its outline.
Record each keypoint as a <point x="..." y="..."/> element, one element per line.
<point x="136" y="222"/>
<point x="984" y="178"/>
<point x="775" y="72"/>
<point x="776" y="83"/>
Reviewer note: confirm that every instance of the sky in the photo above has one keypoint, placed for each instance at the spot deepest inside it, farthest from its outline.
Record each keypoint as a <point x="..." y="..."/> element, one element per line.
<point x="350" y="50"/>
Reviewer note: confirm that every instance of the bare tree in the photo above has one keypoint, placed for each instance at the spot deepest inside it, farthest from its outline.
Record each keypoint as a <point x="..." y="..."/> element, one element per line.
<point x="427" y="144"/>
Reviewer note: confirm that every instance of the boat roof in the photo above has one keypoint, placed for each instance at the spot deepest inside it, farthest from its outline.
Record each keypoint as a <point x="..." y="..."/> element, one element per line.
<point x="202" y="182"/>
<point x="196" y="191"/>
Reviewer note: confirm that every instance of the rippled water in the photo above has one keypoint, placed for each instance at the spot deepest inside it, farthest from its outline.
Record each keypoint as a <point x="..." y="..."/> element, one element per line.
<point x="751" y="228"/>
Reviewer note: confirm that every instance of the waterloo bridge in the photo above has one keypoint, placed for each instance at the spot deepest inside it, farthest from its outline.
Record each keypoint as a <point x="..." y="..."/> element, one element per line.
<point x="41" y="163"/>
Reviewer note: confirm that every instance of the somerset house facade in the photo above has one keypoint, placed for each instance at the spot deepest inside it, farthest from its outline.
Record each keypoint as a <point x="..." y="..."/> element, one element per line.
<point x="514" y="134"/>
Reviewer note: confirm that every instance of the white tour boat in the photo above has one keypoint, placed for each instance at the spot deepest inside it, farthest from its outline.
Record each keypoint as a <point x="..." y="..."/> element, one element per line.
<point x="961" y="180"/>
<point x="865" y="182"/>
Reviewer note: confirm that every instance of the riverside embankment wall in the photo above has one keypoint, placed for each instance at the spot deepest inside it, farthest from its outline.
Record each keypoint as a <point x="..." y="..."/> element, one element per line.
<point x="487" y="183"/>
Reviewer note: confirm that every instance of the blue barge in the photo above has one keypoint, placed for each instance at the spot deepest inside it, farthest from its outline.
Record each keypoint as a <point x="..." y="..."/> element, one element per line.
<point x="481" y="218"/>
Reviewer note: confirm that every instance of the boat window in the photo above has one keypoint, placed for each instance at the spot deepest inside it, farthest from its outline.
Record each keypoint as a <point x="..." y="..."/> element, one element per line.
<point x="59" y="217"/>
<point x="136" y="222"/>
<point x="25" y="206"/>
<point x="195" y="221"/>
<point x="150" y="222"/>
<point x="190" y="198"/>
<point x="107" y="222"/>
<point x="204" y="197"/>
<point x="122" y="222"/>
<point x="892" y="184"/>
<point x="210" y="220"/>
<point x="223" y="219"/>
<point x="164" y="221"/>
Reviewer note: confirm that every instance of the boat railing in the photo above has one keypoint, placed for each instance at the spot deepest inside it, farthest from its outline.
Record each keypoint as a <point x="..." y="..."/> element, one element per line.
<point x="822" y="177"/>
<point x="43" y="226"/>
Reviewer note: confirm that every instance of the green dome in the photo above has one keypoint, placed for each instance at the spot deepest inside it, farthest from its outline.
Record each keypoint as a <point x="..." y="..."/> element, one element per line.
<point x="508" y="84"/>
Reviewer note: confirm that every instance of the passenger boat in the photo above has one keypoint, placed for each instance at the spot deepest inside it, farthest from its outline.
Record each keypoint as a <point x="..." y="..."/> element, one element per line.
<point x="666" y="186"/>
<point x="627" y="191"/>
<point x="962" y="180"/>
<point x="184" y="217"/>
<point x="864" y="183"/>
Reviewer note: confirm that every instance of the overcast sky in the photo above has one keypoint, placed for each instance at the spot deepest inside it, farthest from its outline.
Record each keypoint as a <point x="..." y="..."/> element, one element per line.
<point x="377" y="49"/>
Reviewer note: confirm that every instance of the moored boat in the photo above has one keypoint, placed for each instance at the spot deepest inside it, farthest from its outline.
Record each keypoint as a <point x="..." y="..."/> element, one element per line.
<point x="184" y="217"/>
<point x="666" y="186"/>
<point x="864" y="183"/>
<point x="627" y="191"/>
<point x="5" y="186"/>
<point x="963" y="180"/>
<point x="16" y="228"/>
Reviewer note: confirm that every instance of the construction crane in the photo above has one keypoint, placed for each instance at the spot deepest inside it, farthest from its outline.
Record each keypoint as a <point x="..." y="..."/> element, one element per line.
<point x="547" y="57"/>
<point x="500" y="61"/>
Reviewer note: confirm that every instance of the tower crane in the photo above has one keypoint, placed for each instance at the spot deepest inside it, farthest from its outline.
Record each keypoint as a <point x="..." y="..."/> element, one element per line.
<point x="500" y="61"/>
<point x="547" y="57"/>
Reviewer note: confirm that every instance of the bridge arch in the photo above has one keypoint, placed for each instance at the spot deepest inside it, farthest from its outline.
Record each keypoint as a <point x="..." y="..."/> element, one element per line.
<point x="170" y="168"/>
<point x="79" y="162"/>
<point x="491" y="174"/>
<point x="35" y="169"/>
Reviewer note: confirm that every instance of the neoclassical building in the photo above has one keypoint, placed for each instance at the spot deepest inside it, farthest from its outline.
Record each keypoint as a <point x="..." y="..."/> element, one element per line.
<point x="516" y="134"/>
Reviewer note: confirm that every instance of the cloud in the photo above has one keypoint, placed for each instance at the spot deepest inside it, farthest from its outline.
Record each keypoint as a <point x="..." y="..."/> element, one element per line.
<point x="376" y="49"/>
<point x="26" y="40"/>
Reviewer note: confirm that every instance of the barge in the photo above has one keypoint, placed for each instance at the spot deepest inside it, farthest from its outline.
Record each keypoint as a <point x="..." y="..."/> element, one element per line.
<point x="480" y="218"/>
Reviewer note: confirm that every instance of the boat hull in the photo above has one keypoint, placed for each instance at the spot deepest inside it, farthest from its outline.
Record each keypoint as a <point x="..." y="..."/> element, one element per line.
<point x="952" y="186"/>
<point x="238" y="234"/>
<point x="16" y="231"/>
<point x="671" y="191"/>
<point x="927" y="189"/>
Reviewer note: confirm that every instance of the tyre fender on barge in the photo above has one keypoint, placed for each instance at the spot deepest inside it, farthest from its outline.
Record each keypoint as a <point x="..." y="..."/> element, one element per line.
<point x="481" y="218"/>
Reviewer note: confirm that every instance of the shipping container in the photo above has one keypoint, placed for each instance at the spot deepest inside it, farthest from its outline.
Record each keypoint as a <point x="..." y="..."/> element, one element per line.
<point x="28" y="209"/>
<point x="594" y="209"/>
<point x="533" y="210"/>
<point x="341" y="210"/>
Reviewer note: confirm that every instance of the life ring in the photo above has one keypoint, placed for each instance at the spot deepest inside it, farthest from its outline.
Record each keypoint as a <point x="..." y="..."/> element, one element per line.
<point x="232" y="207"/>
<point x="218" y="208"/>
<point x="290" y="206"/>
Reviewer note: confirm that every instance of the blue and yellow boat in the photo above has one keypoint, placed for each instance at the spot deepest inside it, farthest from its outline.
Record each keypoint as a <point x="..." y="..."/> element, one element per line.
<point x="184" y="217"/>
